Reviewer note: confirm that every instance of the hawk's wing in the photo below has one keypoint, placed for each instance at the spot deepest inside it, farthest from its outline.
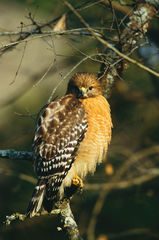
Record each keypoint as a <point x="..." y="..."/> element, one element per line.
<point x="60" y="130"/>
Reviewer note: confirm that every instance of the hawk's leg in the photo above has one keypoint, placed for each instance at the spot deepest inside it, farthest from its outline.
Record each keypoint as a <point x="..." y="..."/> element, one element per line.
<point x="77" y="185"/>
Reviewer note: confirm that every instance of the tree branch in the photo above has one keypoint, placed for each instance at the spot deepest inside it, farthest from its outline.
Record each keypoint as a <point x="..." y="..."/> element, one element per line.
<point x="37" y="29"/>
<point x="68" y="222"/>
<point x="63" y="210"/>
<point x="78" y="32"/>
<point x="16" y="155"/>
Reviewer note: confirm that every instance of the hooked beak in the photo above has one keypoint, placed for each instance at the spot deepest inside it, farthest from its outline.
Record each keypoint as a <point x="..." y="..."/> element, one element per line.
<point x="82" y="92"/>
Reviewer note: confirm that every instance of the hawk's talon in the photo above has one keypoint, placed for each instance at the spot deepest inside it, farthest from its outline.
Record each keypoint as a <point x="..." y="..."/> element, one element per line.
<point x="77" y="181"/>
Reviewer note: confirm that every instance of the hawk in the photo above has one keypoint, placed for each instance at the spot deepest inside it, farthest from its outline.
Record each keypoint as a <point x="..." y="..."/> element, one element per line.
<point x="71" y="138"/>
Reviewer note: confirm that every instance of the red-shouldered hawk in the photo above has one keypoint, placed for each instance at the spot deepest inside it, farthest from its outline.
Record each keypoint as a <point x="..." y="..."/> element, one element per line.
<point x="72" y="136"/>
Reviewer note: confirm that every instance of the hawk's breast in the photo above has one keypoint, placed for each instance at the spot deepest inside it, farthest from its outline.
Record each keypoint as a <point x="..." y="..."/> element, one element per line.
<point x="93" y="148"/>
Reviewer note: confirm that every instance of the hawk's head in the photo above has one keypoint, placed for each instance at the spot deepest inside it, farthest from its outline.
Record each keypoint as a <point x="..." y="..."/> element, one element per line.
<point x="84" y="85"/>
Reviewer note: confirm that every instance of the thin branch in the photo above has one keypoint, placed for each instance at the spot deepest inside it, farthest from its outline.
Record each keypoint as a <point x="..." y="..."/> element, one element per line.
<point x="107" y="44"/>
<point x="76" y="31"/>
<point x="44" y="75"/>
<point x="20" y="63"/>
<point x="100" y="40"/>
<point x="38" y="28"/>
<point x="118" y="6"/>
<point x="152" y="173"/>
<point x="42" y="35"/>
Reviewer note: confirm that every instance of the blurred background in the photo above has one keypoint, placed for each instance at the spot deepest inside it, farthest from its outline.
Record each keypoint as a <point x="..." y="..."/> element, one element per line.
<point x="30" y="72"/>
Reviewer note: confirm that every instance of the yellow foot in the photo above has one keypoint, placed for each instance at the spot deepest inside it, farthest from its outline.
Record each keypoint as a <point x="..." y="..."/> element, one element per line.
<point x="77" y="181"/>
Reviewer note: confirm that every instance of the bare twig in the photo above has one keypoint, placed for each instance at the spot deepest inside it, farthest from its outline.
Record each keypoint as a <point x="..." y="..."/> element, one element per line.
<point x="76" y="31"/>
<point x="107" y="44"/>
<point x="20" y="63"/>
<point x="151" y="174"/>
<point x="117" y="6"/>
<point x="8" y="46"/>
<point x="38" y="28"/>
<point x="45" y="74"/>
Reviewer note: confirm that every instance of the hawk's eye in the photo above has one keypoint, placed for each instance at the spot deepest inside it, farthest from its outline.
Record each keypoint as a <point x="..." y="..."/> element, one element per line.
<point x="90" y="88"/>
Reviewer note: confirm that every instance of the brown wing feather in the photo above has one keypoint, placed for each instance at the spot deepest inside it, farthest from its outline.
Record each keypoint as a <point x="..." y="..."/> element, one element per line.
<point x="61" y="128"/>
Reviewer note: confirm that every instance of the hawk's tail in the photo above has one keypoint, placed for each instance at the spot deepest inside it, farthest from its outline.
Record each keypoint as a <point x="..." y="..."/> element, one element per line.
<point x="51" y="194"/>
<point x="37" y="198"/>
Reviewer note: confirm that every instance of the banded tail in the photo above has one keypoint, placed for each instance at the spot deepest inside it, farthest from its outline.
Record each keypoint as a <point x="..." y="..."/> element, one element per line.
<point x="36" y="201"/>
<point x="44" y="195"/>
